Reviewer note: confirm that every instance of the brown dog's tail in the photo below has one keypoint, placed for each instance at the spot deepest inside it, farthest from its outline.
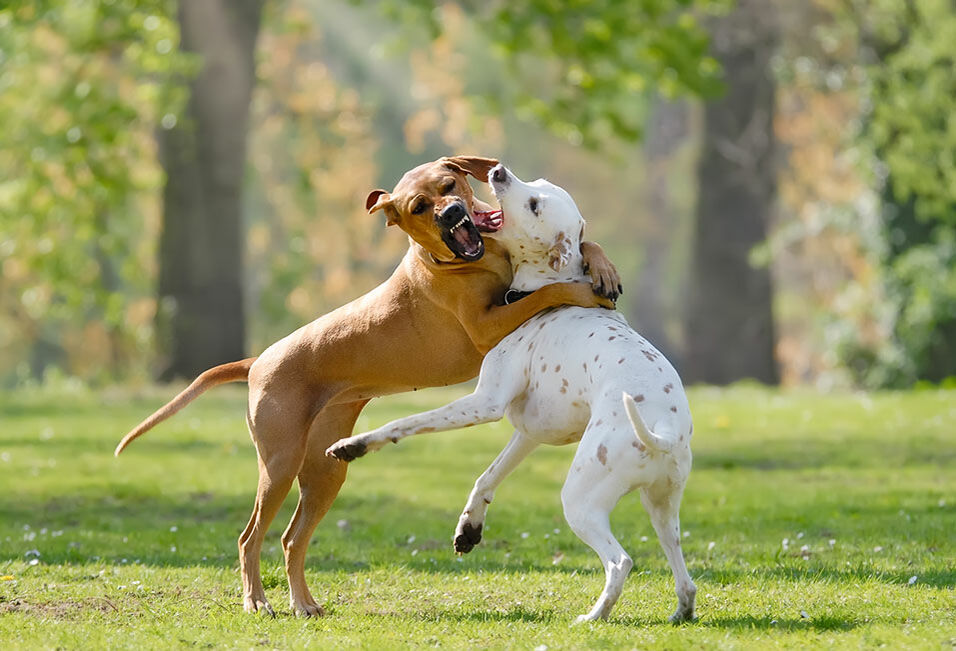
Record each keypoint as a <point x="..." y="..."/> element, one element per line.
<point x="231" y="372"/>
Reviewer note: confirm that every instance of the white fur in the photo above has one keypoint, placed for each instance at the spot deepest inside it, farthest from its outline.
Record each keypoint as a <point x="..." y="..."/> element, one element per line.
<point x="569" y="375"/>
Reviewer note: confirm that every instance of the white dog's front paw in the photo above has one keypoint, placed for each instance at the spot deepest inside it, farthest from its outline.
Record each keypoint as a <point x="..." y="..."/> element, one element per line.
<point x="351" y="448"/>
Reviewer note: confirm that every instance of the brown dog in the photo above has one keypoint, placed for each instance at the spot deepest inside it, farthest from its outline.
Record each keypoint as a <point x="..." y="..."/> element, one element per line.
<point x="429" y="324"/>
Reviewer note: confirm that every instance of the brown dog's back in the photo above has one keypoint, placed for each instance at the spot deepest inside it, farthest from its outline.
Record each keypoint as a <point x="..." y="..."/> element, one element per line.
<point x="231" y="372"/>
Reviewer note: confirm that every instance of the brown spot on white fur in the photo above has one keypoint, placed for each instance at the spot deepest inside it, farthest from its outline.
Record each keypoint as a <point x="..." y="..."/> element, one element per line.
<point x="602" y="454"/>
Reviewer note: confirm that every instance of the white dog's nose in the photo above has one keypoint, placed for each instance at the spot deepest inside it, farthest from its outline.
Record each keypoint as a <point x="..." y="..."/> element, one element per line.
<point x="499" y="174"/>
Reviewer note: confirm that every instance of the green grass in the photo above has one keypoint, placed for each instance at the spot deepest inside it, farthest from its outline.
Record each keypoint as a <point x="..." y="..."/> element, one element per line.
<point x="141" y="551"/>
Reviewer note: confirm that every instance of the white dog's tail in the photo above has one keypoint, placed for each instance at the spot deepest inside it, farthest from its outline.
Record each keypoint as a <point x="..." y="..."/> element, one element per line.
<point x="649" y="439"/>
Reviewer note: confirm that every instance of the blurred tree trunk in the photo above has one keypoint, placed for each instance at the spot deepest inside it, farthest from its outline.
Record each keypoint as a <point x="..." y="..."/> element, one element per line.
<point x="729" y="324"/>
<point x="667" y="129"/>
<point x="200" y="278"/>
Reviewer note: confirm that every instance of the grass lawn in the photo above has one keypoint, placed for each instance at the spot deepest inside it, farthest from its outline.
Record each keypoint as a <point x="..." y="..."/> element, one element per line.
<point x="809" y="520"/>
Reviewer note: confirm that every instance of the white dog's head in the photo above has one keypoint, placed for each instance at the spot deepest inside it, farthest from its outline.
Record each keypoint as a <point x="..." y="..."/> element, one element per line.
<point x="539" y="219"/>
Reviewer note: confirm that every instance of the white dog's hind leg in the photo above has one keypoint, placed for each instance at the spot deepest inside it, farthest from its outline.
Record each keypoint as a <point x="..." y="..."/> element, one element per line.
<point x="589" y="495"/>
<point x="468" y="532"/>
<point x="662" y="506"/>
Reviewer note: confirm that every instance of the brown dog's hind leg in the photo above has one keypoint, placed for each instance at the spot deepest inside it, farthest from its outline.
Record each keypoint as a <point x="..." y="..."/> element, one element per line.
<point x="280" y="435"/>
<point x="320" y="479"/>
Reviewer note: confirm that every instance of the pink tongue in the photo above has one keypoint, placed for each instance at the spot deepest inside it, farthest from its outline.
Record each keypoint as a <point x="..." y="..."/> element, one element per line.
<point x="461" y="236"/>
<point x="485" y="215"/>
<point x="490" y="220"/>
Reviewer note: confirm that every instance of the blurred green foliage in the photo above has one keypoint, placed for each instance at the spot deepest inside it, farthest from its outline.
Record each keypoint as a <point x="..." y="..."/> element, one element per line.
<point x="83" y="85"/>
<point x="587" y="69"/>
<point x="909" y="130"/>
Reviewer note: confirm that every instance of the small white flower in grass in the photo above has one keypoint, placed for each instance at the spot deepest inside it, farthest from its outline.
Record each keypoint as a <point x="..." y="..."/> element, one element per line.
<point x="125" y="539"/>
<point x="411" y="539"/>
<point x="43" y="531"/>
<point x="541" y="647"/>
<point x="799" y="535"/>
<point x="547" y="535"/>
<point x="557" y="531"/>
<point x="912" y="580"/>
<point x="785" y="543"/>
<point x="414" y="552"/>
<point x="643" y="538"/>
<point x="804" y="615"/>
<point x="524" y="534"/>
<point x="686" y="534"/>
<point x="35" y="561"/>
<point x="941" y="503"/>
<point x="343" y="525"/>
<point x="711" y="545"/>
<point x="831" y="542"/>
<point x="172" y="548"/>
<point x="174" y="529"/>
<point x="878" y="548"/>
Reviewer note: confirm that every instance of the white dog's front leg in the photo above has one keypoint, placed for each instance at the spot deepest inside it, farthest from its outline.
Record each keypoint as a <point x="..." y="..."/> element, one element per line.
<point x="473" y="409"/>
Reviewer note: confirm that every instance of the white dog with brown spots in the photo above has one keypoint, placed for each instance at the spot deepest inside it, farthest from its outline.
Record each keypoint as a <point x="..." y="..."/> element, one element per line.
<point x="571" y="374"/>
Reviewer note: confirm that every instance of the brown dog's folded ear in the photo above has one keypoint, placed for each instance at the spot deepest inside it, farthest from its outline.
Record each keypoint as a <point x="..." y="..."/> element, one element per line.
<point x="381" y="200"/>
<point x="477" y="166"/>
<point x="374" y="200"/>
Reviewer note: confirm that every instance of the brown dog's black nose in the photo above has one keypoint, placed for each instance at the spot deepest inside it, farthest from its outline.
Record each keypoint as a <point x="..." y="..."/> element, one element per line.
<point x="499" y="174"/>
<point x="453" y="213"/>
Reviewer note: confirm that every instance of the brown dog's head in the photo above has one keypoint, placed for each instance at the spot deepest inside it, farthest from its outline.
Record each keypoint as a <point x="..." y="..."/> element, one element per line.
<point x="435" y="205"/>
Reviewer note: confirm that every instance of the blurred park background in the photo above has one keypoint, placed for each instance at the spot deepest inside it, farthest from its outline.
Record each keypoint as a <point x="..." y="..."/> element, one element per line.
<point x="182" y="184"/>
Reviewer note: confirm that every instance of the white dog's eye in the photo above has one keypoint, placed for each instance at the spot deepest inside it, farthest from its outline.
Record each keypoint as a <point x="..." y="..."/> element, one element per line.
<point x="533" y="205"/>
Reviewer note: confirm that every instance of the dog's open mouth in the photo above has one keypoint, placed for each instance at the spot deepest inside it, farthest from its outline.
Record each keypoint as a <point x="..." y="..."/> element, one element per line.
<point x="464" y="237"/>
<point x="488" y="221"/>
<point x="464" y="240"/>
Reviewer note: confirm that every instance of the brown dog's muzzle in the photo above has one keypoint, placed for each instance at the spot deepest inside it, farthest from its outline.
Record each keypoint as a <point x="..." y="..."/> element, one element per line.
<point x="459" y="232"/>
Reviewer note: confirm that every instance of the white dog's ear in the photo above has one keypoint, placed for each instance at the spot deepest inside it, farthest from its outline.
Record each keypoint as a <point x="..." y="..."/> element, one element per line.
<point x="561" y="252"/>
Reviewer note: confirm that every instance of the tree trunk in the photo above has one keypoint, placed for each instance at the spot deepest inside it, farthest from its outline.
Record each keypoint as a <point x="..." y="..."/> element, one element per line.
<point x="729" y="326"/>
<point x="201" y="316"/>
<point x="652" y="312"/>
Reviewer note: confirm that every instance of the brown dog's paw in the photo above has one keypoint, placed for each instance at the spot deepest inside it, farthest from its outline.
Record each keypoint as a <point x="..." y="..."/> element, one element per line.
<point x="467" y="538"/>
<point x="347" y="452"/>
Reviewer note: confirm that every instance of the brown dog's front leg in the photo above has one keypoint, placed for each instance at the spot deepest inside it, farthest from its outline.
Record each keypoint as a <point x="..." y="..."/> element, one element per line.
<point x="604" y="276"/>
<point x="496" y="322"/>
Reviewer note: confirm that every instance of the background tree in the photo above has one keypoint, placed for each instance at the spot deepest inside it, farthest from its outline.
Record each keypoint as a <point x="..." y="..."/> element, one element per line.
<point x="204" y="156"/>
<point x="83" y="86"/>
<point x="730" y="331"/>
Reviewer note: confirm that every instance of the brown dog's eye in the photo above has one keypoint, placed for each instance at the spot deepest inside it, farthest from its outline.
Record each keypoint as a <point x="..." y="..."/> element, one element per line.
<point x="419" y="207"/>
<point x="533" y="205"/>
<point x="448" y="187"/>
